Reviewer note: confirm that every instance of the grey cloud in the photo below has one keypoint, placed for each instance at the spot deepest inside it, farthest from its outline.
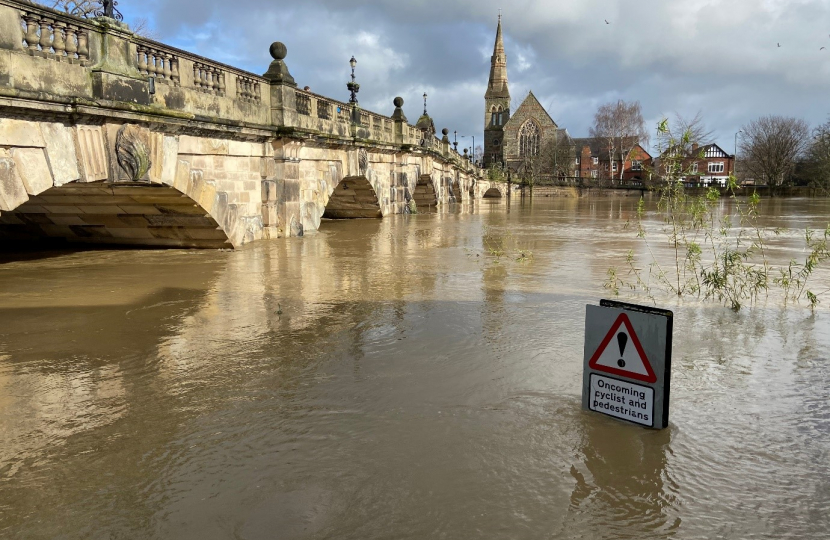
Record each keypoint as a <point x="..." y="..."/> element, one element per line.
<point x="717" y="56"/>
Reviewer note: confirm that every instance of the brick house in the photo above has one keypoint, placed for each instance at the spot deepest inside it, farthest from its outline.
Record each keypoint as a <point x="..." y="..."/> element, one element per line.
<point x="712" y="165"/>
<point x="593" y="163"/>
<point x="707" y="165"/>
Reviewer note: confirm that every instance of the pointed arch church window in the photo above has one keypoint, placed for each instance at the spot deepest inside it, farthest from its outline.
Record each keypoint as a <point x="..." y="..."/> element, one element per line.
<point x="529" y="139"/>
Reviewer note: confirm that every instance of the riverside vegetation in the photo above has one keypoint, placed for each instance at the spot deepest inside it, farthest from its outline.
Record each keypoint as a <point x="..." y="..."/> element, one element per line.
<point x="716" y="254"/>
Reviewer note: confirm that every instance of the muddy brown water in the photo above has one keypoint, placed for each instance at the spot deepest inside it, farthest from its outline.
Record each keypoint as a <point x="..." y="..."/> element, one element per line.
<point x="388" y="379"/>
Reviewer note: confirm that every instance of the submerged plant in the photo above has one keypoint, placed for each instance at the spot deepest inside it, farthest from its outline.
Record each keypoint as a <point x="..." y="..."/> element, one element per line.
<point x="717" y="253"/>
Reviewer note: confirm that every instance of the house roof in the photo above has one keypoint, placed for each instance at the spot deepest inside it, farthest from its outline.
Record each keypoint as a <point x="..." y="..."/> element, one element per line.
<point x="598" y="148"/>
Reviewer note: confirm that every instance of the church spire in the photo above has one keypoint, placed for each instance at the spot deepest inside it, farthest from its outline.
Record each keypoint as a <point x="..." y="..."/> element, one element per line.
<point x="497" y="87"/>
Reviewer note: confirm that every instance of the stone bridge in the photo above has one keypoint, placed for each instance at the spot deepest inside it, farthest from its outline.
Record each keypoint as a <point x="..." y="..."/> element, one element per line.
<point x="110" y="138"/>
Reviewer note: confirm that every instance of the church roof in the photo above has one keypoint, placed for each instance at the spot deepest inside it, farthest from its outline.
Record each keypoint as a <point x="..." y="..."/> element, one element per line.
<point x="530" y="108"/>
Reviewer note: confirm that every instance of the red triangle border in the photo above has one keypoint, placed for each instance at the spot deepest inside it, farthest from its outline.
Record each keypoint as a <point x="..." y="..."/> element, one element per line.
<point x="623" y="319"/>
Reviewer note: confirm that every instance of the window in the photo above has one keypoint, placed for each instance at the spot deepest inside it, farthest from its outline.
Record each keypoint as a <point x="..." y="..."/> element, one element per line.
<point x="614" y="166"/>
<point x="716" y="167"/>
<point x="578" y="173"/>
<point x="605" y="166"/>
<point x="636" y="165"/>
<point x="595" y="160"/>
<point x="694" y="167"/>
<point x="577" y="160"/>
<point x="529" y="139"/>
<point x="496" y="142"/>
<point x="593" y="173"/>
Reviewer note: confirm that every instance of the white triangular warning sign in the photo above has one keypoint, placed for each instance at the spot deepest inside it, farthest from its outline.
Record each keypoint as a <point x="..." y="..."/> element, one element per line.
<point x="620" y="353"/>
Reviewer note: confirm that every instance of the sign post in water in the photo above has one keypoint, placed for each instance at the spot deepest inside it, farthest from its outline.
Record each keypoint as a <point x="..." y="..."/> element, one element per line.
<point x="627" y="370"/>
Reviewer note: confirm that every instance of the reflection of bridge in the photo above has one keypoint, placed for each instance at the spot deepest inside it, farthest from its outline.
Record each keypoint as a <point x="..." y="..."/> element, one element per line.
<point x="107" y="137"/>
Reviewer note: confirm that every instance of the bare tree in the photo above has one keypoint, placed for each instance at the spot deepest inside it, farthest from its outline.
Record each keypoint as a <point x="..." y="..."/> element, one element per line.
<point x="818" y="157"/>
<point x="620" y="127"/>
<point x="771" y="145"/>
<point x="92" y="8"/>
<point x="558" y="156"/>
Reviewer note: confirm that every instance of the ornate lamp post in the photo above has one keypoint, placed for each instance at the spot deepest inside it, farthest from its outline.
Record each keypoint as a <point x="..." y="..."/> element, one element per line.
<point x="455" y="140"/>
<point x="354" y="88"/>
<point x="108" y="10"/>
<point x="425" y="102"/>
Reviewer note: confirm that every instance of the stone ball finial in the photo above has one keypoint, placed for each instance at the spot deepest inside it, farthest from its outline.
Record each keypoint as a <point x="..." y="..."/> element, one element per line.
<point x="278" y="50"/>
<point x="445" y="131"/>
<point x="398" y="102"/>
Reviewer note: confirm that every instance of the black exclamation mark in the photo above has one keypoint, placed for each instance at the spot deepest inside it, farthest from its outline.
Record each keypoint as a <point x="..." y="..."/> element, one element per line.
<point x="622" y="340"/>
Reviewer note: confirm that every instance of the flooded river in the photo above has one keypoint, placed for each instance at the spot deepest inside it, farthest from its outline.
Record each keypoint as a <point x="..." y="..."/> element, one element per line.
<point x="404" y="378"/>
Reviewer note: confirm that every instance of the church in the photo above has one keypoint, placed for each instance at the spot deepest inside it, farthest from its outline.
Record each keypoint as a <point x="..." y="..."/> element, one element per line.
<point x="527" y="141"/>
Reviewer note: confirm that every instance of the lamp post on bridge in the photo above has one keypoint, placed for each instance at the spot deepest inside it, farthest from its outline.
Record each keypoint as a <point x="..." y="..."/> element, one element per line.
<point x="353" y="88"/>
<point x="108" y="10"/>
<point x="455" y="140"/>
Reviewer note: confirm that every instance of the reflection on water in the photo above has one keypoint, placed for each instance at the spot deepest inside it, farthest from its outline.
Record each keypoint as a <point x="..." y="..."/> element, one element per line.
<point x="390" y="379"/>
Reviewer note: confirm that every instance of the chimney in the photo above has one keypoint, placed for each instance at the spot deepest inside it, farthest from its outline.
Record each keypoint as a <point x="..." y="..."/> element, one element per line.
<point x="694" y="147"/>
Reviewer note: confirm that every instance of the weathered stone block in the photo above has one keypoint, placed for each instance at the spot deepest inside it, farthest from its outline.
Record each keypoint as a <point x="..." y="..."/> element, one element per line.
<point x="12" y="190"/>
<point x="269" y="191"/>
<point x="202" y="146"/>
<point x="20" y="133"/>
<point x="60" y="152"/>
<point x="240" y="148"/>
<point x="268" y="168"/>
<point x="120" y="88"/>
<point x="11" y="33"/>
<point x="196" y="184"/>
<point x="182" y="175"/>
<point x="170" y="155"/>
<point x="32" y="169"/>
<point x="208" y="197"/>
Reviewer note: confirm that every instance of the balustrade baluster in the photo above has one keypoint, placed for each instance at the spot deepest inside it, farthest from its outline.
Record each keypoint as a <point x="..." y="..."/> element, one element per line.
<point x="142" y="60"/>
<point x="59" y="43"/>
<point x="71" y="41"/>
<point x="45" y="35"/>
<point x="32" y="25"/>
<point x="168" y="71"/>
<point x="174" y="70"/>
<point x="83" y="45"/>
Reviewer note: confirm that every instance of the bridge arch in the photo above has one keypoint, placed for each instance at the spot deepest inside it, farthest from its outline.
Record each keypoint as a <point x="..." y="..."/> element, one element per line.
<point x="492" y="193"/>
<point x="353" y="197"/>
<point x="118" y="213"/>
<point x="425" y="195"/>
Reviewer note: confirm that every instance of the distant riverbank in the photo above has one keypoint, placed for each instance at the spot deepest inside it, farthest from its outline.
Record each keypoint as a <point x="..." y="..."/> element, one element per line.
<point x="576" y="191"/>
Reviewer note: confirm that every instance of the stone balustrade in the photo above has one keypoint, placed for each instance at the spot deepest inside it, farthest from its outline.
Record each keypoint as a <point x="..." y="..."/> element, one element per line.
<point x="248" y="88"/>
<point x="158" y="64"/>
<point x="172" y="82"/>
<point x="50" y="37"/>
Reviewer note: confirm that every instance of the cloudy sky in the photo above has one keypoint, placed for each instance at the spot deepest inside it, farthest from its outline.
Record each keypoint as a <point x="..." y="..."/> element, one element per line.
<point x="718" y="57"/>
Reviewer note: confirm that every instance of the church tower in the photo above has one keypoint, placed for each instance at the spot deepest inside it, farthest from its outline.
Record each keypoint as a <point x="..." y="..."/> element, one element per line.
<point x="496" y="103"/>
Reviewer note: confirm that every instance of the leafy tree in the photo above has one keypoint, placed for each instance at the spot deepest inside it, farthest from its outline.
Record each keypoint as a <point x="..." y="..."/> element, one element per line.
<point x="770" y="147"/>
